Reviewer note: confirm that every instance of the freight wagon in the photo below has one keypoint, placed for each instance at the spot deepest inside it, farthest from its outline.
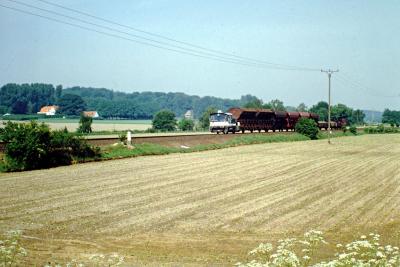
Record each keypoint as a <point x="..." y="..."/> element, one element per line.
<point x="248" y="119"/>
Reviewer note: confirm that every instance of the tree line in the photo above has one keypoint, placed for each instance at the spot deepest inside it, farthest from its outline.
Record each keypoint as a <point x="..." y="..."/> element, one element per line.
<point x="29" y="98"/>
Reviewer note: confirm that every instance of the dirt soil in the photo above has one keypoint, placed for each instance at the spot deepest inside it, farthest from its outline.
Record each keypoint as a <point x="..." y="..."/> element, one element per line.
<point x="208" y="208"/>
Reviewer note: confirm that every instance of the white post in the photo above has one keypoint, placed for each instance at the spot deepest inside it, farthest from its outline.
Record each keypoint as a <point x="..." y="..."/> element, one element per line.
<point x="129" y="138"/>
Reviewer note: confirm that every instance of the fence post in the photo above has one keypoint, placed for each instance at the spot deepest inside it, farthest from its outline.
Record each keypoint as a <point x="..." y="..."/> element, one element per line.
<point x="129" y="138"/>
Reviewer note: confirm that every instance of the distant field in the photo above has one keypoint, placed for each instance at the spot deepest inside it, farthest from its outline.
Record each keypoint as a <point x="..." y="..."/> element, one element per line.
<point x="99" y="125"/>
<point x="207" y="208"/>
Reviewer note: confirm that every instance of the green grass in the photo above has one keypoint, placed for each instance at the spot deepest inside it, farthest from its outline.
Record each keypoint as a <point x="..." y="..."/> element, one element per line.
<point x="95" y="121"/>
<point x="324" y="134"/>
<point x="120" y="151"/>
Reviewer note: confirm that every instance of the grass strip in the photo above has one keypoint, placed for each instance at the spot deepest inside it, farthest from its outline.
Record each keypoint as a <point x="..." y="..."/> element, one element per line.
<point x="120" y="151"/>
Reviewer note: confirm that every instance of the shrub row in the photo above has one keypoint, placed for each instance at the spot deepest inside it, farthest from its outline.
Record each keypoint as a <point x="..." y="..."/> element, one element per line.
<point x="381" y="129"/>
<point x="33" y="146"/>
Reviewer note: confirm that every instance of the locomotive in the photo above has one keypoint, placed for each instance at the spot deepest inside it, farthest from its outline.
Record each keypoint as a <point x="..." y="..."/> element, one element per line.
<point x="249" y="119"/>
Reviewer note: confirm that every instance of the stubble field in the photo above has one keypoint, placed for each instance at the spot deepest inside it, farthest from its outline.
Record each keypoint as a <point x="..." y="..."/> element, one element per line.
<point x="207" y="208"/>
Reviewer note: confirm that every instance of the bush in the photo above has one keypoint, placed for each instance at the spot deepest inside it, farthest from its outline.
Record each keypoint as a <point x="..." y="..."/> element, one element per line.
<point x="380" y="128"/>
<point x="204" y="120"/>
<point x="186" y="125"/>
<point x="307" y="127"/>
<point x="85" y="124"/>
<point x="33" y="146"/>
<point x="164" y="121"/>
<point x="344" y="129"/>
<point x="353" y="130"/>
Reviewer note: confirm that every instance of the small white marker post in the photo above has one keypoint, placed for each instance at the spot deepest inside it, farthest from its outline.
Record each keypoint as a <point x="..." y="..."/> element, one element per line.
<point x="129" y="138"/>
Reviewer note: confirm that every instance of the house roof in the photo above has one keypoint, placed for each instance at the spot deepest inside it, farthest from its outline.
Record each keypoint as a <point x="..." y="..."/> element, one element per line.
<point x="90" y="113"/>
<point x="48" y="109"/>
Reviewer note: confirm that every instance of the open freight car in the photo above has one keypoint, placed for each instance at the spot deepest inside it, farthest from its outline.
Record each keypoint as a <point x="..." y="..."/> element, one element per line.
<point x="250" y="119"/>
<point x="253" y="119"/>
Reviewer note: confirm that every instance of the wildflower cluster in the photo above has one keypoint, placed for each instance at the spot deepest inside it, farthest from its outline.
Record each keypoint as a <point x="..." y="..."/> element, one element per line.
<point x="10" y="249"/>
<point x="366" y="252"/>
<point x="285" y="254"/>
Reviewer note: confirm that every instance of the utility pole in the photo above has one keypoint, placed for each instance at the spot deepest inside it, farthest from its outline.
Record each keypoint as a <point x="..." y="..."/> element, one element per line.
<point x="329" y="72"/>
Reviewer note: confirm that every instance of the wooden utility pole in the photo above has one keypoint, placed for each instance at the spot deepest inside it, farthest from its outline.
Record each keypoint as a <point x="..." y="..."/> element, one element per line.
<point x="329" y="72"/>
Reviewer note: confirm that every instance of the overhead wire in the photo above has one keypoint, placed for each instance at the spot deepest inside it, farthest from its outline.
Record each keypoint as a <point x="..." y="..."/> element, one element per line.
<point x="154" y="43"/>
<point x="360" y="87"/>
<point x="175" y="40"/>
<point x="122" y="32"/>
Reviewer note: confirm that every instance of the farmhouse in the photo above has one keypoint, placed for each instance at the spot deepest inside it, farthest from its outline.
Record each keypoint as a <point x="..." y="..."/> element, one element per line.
<point x="189" y="114"/>
<point x="91" y="114"/>
<point x="48" y="110"/>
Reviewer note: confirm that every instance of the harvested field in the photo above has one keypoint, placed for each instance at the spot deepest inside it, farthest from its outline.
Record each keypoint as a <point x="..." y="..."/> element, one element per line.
<point x="207" y="208"/>
<point x="98" y="125"/>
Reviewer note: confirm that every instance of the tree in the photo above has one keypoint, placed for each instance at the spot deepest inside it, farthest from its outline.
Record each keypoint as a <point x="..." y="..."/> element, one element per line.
<point x="321" y="108"/>
<point x="256" y="103"/>
<point x="186" y="125"/>
<point x="19" y="107"/>
<point x="391" y="116"/>
<point x="358" y="117"/>
<point x="341" y="111"/>
<point x="301" y="107"/>
<point x="307" y="127"/>
<point x="71" y="104"/>
<point x="58" y="92"/>
<point x="164" y="120"/>
<point x="85" y="124"/>
<point x="205" y="117"/>
<point x="277" y="105"/>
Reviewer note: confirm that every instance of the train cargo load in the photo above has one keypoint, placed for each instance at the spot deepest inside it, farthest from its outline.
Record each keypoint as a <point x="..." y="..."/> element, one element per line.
<point x="293" y="117"/>
<point x="253" y="119"/>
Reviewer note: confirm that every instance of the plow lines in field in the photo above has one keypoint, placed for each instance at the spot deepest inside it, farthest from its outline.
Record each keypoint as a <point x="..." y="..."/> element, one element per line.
<point x="206" y="207"/>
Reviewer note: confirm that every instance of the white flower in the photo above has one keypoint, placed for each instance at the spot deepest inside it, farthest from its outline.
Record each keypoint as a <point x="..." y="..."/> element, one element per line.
<point x="379" y="254"/>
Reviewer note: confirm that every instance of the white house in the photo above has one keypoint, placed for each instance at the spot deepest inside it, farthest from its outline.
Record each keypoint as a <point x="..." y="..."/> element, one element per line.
<point x="48" y="110"/>
<point x="189" y="114"/>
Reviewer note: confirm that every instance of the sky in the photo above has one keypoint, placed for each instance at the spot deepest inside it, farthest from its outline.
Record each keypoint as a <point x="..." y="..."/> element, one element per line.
<point x="360" y="38"/>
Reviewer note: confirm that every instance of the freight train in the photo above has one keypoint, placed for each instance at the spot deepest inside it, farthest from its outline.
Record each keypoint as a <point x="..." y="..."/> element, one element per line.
<point x="246" y="119"/>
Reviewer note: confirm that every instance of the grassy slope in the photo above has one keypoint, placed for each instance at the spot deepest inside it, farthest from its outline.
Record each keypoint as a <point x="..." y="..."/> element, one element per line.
<point x="208" y="207"/>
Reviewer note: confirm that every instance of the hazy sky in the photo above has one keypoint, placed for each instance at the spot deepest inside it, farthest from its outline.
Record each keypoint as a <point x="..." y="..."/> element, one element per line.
<point x="361" y="38"/>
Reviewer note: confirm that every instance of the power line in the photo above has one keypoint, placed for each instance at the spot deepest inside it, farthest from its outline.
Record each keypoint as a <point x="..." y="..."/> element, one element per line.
<point x="172" y="39"/>
<point x="358" y="86"/>
<point x="210" y="52"/>
<point x="142" y="42"/>
<point x="129" y="34"/>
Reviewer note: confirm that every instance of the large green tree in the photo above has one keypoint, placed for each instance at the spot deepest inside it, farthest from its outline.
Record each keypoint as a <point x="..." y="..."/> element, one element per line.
<point x="358" y="116"/>
<point x="26" y="98"/>
<point x="391" y="116"/>
<point x="71" y="104"/>
<point x="255" y="103"/>
<point x="302" y="107"/>
<point x="321" y="108"/>
<point x="276" y="105"/>
<point x="164" y="120"/>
